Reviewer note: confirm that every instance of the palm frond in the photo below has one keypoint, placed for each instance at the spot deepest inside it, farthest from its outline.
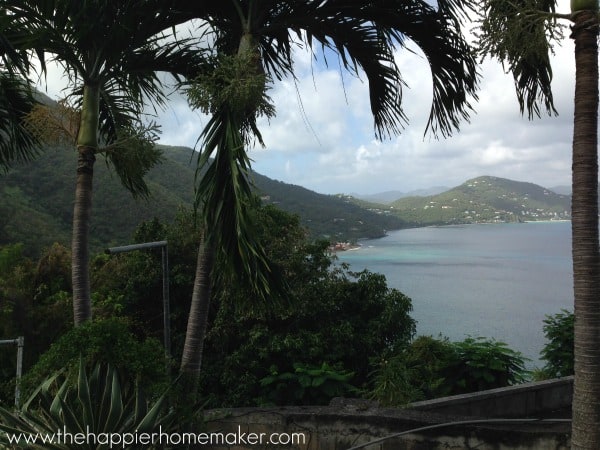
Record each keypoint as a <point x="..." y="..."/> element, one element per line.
<point x="520" y="34"/>
<point x="224" y="193"/>
<point x="437" y="33"/>
<point x="452" y="62"/>
<point x="13" y="58"/>
<point x="365" y="34"/>
<point x="17" y="143"/>
<point x="132" y="156"/>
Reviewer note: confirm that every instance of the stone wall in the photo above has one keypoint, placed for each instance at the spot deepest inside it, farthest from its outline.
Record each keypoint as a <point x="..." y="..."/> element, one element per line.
<point x="523" y="400"/>
<point x="348" y="423"/>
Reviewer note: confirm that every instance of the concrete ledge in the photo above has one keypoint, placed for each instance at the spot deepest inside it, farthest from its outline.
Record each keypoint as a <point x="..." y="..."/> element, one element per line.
<point x="348" y="422"/>
<point x="525" y="400"/>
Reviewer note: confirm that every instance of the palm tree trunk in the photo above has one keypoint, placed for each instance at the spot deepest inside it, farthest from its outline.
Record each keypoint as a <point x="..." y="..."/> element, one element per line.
<point x="191" y="359"/>
<point x="586" y="250"/>
<point x="87" y="144"/>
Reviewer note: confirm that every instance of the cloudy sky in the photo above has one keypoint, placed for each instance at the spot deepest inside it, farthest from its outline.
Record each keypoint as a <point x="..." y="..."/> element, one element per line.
<point x="323" y="138"/>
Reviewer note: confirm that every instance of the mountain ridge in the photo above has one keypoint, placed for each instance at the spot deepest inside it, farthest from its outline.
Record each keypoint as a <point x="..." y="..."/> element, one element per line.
<point x="485" y="199"/>
<point x="36" y="202"/>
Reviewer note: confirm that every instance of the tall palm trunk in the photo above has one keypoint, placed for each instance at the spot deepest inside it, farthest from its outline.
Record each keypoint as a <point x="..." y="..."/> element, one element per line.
<point x="87" y="144"/>
<point x="586" y="256"/>
<point x="191" y="359"/>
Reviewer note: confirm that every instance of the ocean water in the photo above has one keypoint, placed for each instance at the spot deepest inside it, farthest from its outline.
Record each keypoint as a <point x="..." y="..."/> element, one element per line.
<point x="492" y="280"/>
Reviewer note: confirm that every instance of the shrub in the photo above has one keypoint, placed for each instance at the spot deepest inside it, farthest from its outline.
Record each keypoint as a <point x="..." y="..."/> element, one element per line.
<point x="558" y="351"/>
<point x="306" y="385"/>
<point x="482" y="364"/>
<point x="107" y="341"/>
<point x="430" y="368"/>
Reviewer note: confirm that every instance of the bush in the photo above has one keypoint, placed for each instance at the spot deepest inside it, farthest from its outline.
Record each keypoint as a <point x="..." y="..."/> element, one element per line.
<point x="558" y="352"/>
<point x="306" y="385"/>
<point x="35" y="302"/>
<point x="431" y="368"/>
<point x="482" y="364"/>
<point x="106" y="341"/>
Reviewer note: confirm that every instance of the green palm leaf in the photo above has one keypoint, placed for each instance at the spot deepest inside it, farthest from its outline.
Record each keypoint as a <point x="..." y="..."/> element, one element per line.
<point x="522" y="40"/>
<point x="17" y="143"/>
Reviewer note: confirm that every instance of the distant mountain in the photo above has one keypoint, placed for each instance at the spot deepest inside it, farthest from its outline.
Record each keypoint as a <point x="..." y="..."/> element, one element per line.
<point x="391" y="196"/>
<point x="36" y="203"/>
<point x="484" y="199"/>
<point x="564" y="190"/>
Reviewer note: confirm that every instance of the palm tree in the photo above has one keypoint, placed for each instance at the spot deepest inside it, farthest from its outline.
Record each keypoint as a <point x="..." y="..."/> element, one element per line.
<point x="113" y="53"/>
<point x="254" y="43"/>
<point x="16" y="98"/>
<point x="506" y="26"/>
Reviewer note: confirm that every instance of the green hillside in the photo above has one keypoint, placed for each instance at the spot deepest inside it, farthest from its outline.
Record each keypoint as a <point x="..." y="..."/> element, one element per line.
<point x="36" y="202"/>
<point x="484" y="199"/>
<point x="333" y="217"/>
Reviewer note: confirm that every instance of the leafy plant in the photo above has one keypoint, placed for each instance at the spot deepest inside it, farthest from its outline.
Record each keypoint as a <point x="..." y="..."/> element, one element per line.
<point x="106" y="341"/>
<point x="307" y="385"/>
<point x="558" y="351"/>
<point x="394" y="383"/>
<point x="431" y="368"/>
<point x="100" y="407"/>
<point x="483" y="363"/>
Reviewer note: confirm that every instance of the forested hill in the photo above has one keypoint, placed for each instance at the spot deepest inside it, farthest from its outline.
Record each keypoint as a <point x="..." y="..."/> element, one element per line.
<point x="483" y="200"/>
<point x="36" y="202"/>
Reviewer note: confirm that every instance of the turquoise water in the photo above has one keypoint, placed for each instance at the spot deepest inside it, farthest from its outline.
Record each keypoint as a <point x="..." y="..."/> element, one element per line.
<point x="493" y="280"/>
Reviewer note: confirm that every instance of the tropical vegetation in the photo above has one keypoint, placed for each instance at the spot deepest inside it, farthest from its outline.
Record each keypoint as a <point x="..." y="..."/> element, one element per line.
<point x="98" y="405"/>
<point x="253" y="43"/>
<point x="348" y="332"/>
<point x="435" y="367"/>
<point x="111" y="54"/>
<point x="261" y="291"/>
<point x="558" y="351"/>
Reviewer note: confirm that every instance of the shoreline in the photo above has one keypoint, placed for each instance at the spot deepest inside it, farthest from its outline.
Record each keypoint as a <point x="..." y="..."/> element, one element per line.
<point x="347" y="246"/>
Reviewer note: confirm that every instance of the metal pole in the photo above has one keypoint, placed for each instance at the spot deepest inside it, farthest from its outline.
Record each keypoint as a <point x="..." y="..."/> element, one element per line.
<point x="20" y="342"/>
<point x="165" y="276"/>
<point x="143" y="246"/>
<point x="20" y="345"/>
<point x="166" y="306"/>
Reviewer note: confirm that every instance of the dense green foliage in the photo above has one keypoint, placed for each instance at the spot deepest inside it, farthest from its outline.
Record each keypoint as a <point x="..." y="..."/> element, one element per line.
<point x="35" y="302"/>
<point x="307" y="385"/>
<point x="430" y="368"/>
<point x="558" y="351"/>
<point x="331" y="315"/>
<point x="334" y="318"/>
<point x="105" y="341"/>
<point x="337" y="333"/>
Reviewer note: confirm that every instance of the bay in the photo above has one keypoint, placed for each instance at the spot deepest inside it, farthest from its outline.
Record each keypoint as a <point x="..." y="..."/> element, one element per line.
<point x="492" y="280"/>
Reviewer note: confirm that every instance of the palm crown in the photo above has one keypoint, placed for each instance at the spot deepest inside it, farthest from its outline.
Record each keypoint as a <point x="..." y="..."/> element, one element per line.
<point x="112" y="53"/>
<point x="254" y="41"/>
